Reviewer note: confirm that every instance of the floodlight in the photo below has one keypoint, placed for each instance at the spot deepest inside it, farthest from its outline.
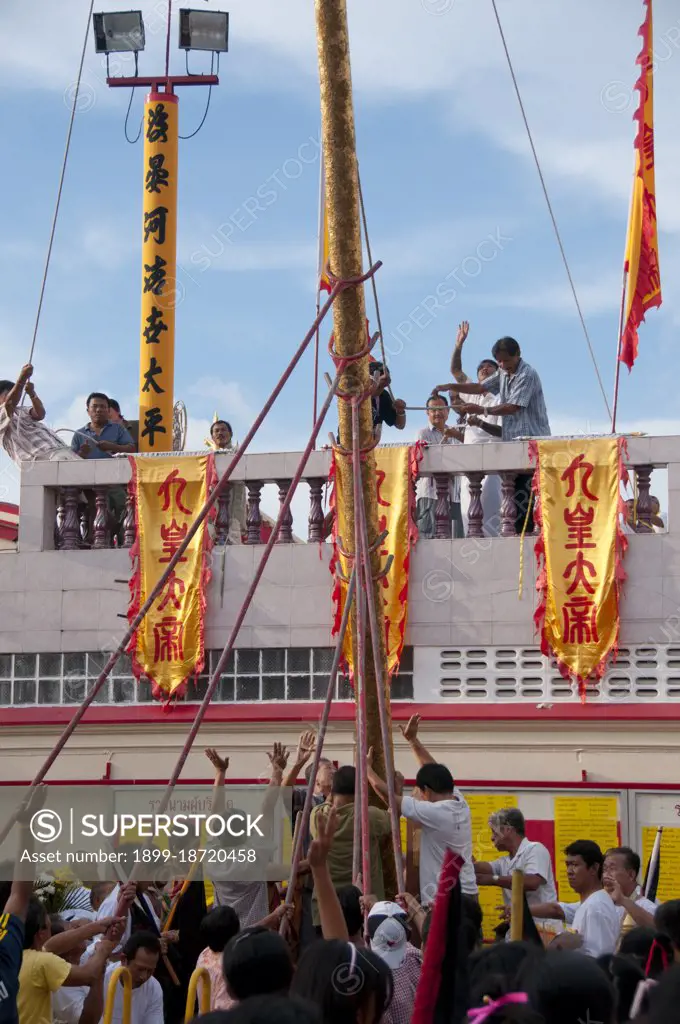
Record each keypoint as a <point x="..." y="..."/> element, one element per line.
<point x="204" y="30"/>
<point x="118" y="32"/>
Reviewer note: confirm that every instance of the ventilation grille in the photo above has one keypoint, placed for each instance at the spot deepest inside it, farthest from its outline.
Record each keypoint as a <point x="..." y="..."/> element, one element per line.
<point x="642" y="673"/>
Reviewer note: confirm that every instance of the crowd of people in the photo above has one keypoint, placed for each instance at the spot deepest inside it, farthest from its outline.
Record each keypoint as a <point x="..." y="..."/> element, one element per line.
<point x="339" y="951"/>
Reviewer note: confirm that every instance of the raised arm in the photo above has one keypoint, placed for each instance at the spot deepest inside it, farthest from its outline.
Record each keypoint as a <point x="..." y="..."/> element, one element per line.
<point x="22" y="891"/>
<point x="221" y="765"/>
<point x="410" y="734"/>
<point x="14" y="397"/>
<point x="476" y="421"/>
<point x="380" y="786"/>
<point x="38" y="409"/>
<point x="457" y="357"/>
<point x="333" y="924"/>
<point x="460" y="389"/>
<point x="305" y="749"/>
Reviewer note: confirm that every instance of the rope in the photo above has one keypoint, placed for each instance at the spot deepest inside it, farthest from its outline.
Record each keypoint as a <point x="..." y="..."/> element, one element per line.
<point x="550" y="208"/>
<point x="373" y="284"/>
<point x="61" y="181"/>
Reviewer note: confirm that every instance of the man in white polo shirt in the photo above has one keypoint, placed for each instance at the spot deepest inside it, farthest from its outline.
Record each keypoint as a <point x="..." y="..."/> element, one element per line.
<point x="508" y="835"/>
<point x="620" y="877"/>
<point x="441" y="810"/>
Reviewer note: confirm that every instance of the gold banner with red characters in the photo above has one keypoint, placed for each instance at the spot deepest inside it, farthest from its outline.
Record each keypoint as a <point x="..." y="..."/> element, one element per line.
<point x="159" y="273"/>
<point x="579" y="552"/>
<point x="169" y="645"/>
<point x="396" y="470"/>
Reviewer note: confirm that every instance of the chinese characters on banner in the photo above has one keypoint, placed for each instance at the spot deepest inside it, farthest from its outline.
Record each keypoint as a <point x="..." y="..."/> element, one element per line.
<point x="169" y="645"/>
<point x="579" y="552"/>
<point x="159" y="273"/>
<point x="396" y="470"/>
<point x="582" y="817"/>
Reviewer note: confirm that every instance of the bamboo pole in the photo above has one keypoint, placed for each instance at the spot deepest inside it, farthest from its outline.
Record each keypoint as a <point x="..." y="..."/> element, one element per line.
<point x="349" y="314"/>
<point x="517" y="907"/>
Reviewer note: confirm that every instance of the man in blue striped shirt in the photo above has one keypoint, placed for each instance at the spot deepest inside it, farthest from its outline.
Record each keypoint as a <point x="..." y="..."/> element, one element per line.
<point x="522" y="410"/>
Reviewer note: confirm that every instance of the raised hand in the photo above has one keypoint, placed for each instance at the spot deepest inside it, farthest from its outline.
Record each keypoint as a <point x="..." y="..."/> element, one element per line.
<point x="278" y="758"/>
<point x="305" y="747"/>
<point x="326" y="824"/>
<point x="410" y="730"/>
<point x="220" y="764"/>
<point x="463" y="331"/>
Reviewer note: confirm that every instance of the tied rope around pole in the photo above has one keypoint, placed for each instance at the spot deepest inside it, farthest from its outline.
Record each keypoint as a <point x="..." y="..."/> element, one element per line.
<point x="339" y="286"/>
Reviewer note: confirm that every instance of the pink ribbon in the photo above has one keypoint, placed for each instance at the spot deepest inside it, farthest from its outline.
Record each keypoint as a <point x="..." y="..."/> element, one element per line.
<point x="480" y="1013"/>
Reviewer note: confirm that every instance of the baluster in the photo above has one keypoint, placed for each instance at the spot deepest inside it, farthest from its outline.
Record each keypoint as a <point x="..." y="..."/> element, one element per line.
<point x="222" y="517"/>
<point x="101" y="531"/>
<point x="475" y="511"/>
<point x="644" y="500"/>
<point x="130" y="522"/>
<point x="316" y="517"/>
<point x="442" y="512"/>
<point x="508" y="504"/>
<point x="254" y="516"/>
<point x="286" y="532"/>
<point x="59" y="520"/>
<point x="70" y="533"/>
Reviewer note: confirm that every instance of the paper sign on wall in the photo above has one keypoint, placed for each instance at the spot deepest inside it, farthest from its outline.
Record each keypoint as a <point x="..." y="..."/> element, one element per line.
<point x="482" y="806"/>
<point x="670" y="860"/>
<point x="582" y="817"/>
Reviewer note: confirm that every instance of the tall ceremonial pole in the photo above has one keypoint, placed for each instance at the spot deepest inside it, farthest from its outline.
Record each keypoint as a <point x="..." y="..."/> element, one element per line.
<point x="349" y="311"/>
<point x="159" y="272"/>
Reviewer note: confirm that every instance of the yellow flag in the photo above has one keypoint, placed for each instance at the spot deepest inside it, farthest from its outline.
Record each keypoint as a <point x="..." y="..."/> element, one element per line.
<point x="324" y="281"/>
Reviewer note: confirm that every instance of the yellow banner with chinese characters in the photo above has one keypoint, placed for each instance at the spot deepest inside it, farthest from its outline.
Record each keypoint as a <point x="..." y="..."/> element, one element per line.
<point x="396" y="469"/>
<point x="159" y="273"/>
<point x="482" y="806"/>
<point x="582" y="817"/>
<point x="168" y="647"/>
<point x="579" y="552"/>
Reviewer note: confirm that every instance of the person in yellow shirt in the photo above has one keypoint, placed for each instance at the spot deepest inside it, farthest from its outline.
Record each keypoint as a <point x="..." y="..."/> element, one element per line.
<point x="43" y="973"/>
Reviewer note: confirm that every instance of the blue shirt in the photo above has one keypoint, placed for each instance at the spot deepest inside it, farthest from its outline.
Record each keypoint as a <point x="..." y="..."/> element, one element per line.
<point x="111" y="432"/>
<point x="11" y="952"/>
<point x="522" y="388"/>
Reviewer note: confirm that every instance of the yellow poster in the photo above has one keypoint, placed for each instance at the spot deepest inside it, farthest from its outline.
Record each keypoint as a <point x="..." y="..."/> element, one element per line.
<point x="159" y="274"/>
<point x="581" y="547"/>
<point x="582" y="817"/>
<point x="169" y="645"/>
<point x="482" y="806"/>
<point x="669" y="859"/>
<point x="396" y="468"/>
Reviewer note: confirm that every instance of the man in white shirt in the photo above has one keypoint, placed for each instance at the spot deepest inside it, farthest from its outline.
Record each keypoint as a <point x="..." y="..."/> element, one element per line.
<point x="442" y="812"/>
<point x="140" y="955"/>
<point x="508" y="835"/>
<point x="620" y="877"/>
<point x="594" y="919"/>
<point x="426" y="490"/>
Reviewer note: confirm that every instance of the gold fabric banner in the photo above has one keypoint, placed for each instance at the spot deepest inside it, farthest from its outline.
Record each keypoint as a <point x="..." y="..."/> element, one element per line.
<point x="579" y="552"/>
<point x="169" y="645"/>
<point x="396" y="469"/>
<point x="159" y="273"/>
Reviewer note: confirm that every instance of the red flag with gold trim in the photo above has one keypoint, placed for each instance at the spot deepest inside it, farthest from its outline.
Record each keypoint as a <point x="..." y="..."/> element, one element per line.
<point x="642" y="244"/>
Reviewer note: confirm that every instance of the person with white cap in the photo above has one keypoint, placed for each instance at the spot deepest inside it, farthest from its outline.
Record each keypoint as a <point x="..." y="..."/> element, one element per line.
<point x="389" y="932"/>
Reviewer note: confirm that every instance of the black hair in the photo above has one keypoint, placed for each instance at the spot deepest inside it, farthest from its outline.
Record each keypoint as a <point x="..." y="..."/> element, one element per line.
<point x="96" y="394"/>
<point x="223" y="423"/>
<point x="376" y="365"/>
<point x="265" y="1010"/>
<point x="472" y="912"/>
<point x="36" y="921"/>
<point x="349" y="897"/>
<point x="637" y="944"/>
<point x="57" y="924"/>
<point x="257" y="962"/>
<point x="494" y="970"/>
<point x="437" y="398"/>
<point x="218" y="927"/>
<point x="667" y="921"/>
<point x="589" y="852"/>
<point x="141" y="940"/>
<point x="665" y="997"/>
<point x="487" y="362"/>
<point x="344" y="781"/>
<point x="342" y="979"/>
<point x="625" y="974"/>
<point x="565" y="986"/>
<point x="6" y="385"/>
<point x="113" y="404"/>
<point x="630" y="856"/>
<point x="507" y="345"/>
<point x="436" y="777"/>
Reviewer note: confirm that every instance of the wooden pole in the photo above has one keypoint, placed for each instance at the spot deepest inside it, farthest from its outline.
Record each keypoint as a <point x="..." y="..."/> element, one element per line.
<point x="517" y="907"/>
<point x="617" y="374"/>
<point x="349" y="313"/>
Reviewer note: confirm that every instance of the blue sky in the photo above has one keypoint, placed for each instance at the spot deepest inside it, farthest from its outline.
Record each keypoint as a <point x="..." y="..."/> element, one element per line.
<point x="445" y="166"/>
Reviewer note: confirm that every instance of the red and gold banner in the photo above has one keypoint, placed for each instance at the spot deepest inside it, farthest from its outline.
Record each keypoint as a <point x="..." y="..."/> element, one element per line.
<point x="579" y="552"/>
<point x="169" y="645"/>
<point x="396" y="469"/>
<point x="642" y="244"/>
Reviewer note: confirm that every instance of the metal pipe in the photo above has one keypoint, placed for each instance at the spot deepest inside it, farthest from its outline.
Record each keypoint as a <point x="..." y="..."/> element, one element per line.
<point x="517" y="907"/>
<point x="118" y="974"/>
<point x="200" y="974"/>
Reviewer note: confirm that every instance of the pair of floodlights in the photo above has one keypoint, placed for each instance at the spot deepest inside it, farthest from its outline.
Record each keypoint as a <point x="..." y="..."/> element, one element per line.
<point x="123" y="31"/>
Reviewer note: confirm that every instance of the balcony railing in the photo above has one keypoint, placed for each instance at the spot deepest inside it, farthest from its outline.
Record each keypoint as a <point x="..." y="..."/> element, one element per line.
<point x="65" y="505"/>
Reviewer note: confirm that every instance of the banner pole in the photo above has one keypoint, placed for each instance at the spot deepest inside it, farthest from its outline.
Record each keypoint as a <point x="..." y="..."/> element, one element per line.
<point x="617" y="375"/>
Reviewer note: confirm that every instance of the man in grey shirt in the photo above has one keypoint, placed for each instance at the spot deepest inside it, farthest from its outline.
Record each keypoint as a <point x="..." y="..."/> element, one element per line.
<point x="522" y="411"/>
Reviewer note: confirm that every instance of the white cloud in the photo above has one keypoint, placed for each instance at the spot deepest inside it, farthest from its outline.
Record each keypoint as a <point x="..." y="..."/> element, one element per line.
<point x="228" y="397"/>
